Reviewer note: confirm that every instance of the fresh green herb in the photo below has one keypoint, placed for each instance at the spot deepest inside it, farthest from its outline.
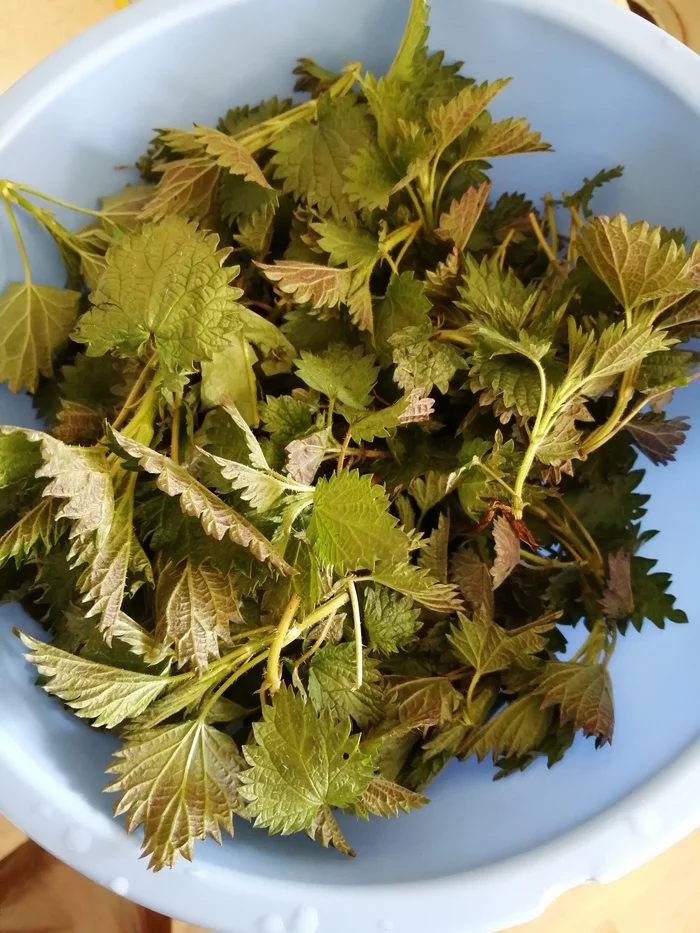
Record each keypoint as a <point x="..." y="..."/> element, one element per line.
<point x="339" y="448"/>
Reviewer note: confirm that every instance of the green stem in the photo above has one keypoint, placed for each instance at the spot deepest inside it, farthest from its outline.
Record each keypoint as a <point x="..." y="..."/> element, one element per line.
<point x="454" y="336"/>
<point x="603" y="434"/>
<point x="274" y="679"/>
<point x="20" y="243"/>
<point x="343" y="451"/>
<point x="546" y="563"/>
<point x="470" y="696"/>
<point x="319" y="614"/>
<point x="419" y="208"/>
<point x="329" y="414"/>
<point x="538" y="435"/>
<point x="542" y="240"/>
<point x="357" y="623"/>
<point x="100" y="215"/>
<point x="450" y="172"/>
<point x="494" y="476"/>
<point x="230" y="681"/>
<point x="175" y="428"/>
<point x="252" y="383"/>
<point x="133" y="395"/>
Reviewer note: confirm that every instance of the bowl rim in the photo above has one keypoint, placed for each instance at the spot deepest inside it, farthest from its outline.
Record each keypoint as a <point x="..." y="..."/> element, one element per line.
<point x="504" y="893"/>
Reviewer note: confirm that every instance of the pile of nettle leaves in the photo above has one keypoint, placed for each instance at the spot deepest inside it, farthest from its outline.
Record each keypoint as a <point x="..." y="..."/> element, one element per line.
<point x="337" y="447"/>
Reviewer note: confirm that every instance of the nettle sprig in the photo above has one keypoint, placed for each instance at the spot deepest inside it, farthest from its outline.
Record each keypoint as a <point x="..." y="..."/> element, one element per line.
<point x="338" y="447"/>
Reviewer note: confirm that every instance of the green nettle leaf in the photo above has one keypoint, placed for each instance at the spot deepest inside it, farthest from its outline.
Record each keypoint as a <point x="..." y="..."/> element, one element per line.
<point x="195" y="606"/>
<point x="262" y="488"/>
<point x="370" y="179"/>
<point x="507" y="137"/>
<point x="285" y="418"/>
<point x="634" y="263"/>
<point x="229" y="376"/>
<point x="391" y="620"/>
<point x="434" y="555"/>
<point x="351" y="527"/>
<point x="385" y="798"/>
<point x="217" y="519"/>
<point x="422" y="363"/>
<point x="348" y="246"/>
<point x="230" y="154"/>
<point x="186" y="187"/>
<point x="450" y="120"/>
<point x="34" y="321"/>
<point x="19" y="458"/>
<point x="323" y="286"/>
<point x="516" y="730"/>
<point x="583" y="693"/>
<point x="411" y="409"/>
<point x="301" y="762"/>
<point x="181" y="783"/>
<point x="485" y="646"/>
<point x="408" y="59"/>
<point x="657" y="437"/>
<point x="108" y="695"/>
<point x="419" y="585"/>
<point x="333" y="685"/>
<point x="432" y="488"/>
<point x="166" y="283"/>
<point x="310" y="158"/>
<point x="404" y="305"/>
<point x="457" y="224"/>
<point x="473" y="578"/>
<point x="37" y="525"/>
<point x="347" y="375"/>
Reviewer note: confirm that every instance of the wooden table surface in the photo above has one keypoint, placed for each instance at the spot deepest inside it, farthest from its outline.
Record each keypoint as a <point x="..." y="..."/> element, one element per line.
<point x="661" y="897"/>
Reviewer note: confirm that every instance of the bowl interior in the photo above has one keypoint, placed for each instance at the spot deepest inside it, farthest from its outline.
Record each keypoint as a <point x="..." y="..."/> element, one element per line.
<point x="597" y="109"/>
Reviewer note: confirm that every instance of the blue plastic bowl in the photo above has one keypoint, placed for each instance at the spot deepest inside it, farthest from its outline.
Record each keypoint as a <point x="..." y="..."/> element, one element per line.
<point x="604" y="88"/>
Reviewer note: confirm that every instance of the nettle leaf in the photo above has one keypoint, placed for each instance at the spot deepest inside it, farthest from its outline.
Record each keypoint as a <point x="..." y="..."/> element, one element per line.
<point x="582" y="198"/>
<point x="434" y="551"/>
<point x="305" y="456"/>
<point x="485" y="646"/>
<point x="413" y="408"/>
<point x="620" y="348"/>
<point x="342" y="373"/>
<point x="391" y="620"/>
<point x="34" y="321"/>
<point x="81" y="476"/>
<point x="36" y="526"/>
<point x="345" y="245"/>
<point x="370" y="179"/>
<point x="262" y="488"/>
<point x="333" y="685"/>
<point x="507" y="137"/>
<point x="108" y="695"/>
<point x="618" y="598"/>
<point x="229" y="376"/>
<point x="186" y="187"/>
<point x="323" y="286"/>
<point x="324" y="829"/>
<point x="285" y="418"/>
<point x="450" y="120"/>
<point x="516" y="730"/>
<point x="408" y="58"/>
<point x="432" y="487"/>
<point x="457" y="224"/>
<point x="310" y="158"/>
<point x="634" y="263"/>
<point x="507" y="546"/>
<point x="422" y="363"/>
<point x="583" y="693"/>
<point x="426" y="701"/>
<point x="230" y="154"/>
<point x="76" y="424"/>
<point x="19" y="458"/>
<point x="404" y="305"/>
<point x="351" y="527"/>
<point x="195" y="605"/>
<point x="658" y="437"/>
<point x="652" y="600"/>
<point x="218" y="519"/>
<point x="473" y="578"/>
<point x="419" y="585"/>
<point x="104" y="580"/>
<point x="181" y="783"/>
<point x="165" y="283"/>
<point x="385" y="798"/>
<point x="301" y="762"/>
